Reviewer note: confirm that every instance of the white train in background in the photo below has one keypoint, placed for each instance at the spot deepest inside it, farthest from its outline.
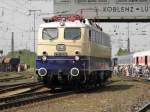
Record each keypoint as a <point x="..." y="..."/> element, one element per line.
<point x="137" y="58"/>
<point x="141" y="58"/>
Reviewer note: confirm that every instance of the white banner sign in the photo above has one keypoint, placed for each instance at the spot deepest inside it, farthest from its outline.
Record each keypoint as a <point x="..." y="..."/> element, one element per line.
<point x="104" y="9"/>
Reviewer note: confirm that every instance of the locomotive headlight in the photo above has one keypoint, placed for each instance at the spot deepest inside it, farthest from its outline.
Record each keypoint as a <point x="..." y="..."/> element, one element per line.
<point x="77" y="58"/>
<point x="44" y="58"/>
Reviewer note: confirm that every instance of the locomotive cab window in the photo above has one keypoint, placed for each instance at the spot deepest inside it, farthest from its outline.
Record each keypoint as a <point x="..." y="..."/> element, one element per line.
<point x="72" y="33"/>
<point x="50" y="33"/>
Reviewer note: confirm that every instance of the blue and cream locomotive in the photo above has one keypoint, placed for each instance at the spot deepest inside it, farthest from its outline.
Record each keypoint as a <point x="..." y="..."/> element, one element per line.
<point x="72" y="51"/>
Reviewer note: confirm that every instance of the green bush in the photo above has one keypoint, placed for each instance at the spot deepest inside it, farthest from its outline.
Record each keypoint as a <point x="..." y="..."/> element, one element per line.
<point x="25" y="56"/>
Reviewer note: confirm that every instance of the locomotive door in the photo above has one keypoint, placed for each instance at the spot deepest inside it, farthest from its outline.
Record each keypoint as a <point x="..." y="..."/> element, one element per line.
<point x="137" y="60"/>
<point x="146" y="60"/>
<point x="90" y="42"/>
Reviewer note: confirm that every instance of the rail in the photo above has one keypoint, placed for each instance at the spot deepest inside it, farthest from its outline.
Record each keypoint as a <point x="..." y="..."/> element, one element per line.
<point x="145" y="108"/>
<point x="19" y="100"/>
<point x="23" y="85"/>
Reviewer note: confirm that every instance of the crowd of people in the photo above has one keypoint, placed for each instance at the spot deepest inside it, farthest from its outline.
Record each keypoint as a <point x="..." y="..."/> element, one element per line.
<point x="132" y="70"/>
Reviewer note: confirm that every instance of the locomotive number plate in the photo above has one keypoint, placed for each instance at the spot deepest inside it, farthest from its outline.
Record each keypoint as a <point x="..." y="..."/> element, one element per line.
<point x="60" y="54"/>
<point x="60" y="47"/>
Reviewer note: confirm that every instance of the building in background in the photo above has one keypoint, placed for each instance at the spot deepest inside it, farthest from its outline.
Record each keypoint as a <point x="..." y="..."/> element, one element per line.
<point x="18" y="17"/>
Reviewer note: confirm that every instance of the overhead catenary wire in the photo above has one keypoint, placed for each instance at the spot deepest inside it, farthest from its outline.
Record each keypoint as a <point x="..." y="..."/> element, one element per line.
<point x="21" y="4"/>
<point x="10" y="9"/>
<point x="18" y="9"/>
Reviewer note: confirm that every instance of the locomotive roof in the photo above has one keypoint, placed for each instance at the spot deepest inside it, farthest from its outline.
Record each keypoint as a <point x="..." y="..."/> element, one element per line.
<point x="76" y="23"/>
<point x="66" y="24"/>
<point x="142" y="53"/>
<point x="69" y="20"/>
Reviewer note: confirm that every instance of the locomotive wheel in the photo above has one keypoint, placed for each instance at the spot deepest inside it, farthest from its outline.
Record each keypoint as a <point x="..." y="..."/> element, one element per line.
<point x="93" y="80"/>
<point x="53" y="89"/>
<point x="82" y="78"/>
<point x="103" y="84"/>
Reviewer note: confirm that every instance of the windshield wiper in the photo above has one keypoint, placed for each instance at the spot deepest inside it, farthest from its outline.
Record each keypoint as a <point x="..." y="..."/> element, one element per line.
<point x="50" y="37"/>
<point x="75" y="37"/>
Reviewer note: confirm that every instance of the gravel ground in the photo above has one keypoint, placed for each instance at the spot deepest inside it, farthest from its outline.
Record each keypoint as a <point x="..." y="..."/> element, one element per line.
<point x="119" y="96"/>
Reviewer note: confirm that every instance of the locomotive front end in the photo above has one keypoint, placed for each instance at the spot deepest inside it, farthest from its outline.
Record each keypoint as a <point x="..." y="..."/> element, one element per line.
<point x="72" y="52"/>
<point x="60" y="48"/>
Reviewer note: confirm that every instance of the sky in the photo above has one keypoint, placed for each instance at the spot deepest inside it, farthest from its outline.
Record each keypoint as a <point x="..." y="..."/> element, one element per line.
<point x="138" y="33"/>
<point x="16" y="17"/>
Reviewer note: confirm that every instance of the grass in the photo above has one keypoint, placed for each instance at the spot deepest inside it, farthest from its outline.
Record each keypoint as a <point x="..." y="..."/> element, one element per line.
<point x="30" y="70"/>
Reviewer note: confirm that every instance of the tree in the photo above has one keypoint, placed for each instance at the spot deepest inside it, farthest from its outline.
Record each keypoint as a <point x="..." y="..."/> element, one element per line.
<point x="122" y="52"/>
<point x="25" y="56"/>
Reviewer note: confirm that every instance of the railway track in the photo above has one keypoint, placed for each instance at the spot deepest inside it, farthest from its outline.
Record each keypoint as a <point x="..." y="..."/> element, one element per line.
<point x="145" y="108"/>
<point x="33" y="86"/>
<point x="31" y="97"/>
<point x="10" y="85"/>
<point x="12" y="78"/>
<point x="138" y="107"/>
<point x="27" y="98"/>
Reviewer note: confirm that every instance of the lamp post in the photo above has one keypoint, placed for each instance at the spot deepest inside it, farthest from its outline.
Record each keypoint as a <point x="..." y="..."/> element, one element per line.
<point x="128" y="40"/>
<point x="1" y="52"/>
<point x="33" y="12"/>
